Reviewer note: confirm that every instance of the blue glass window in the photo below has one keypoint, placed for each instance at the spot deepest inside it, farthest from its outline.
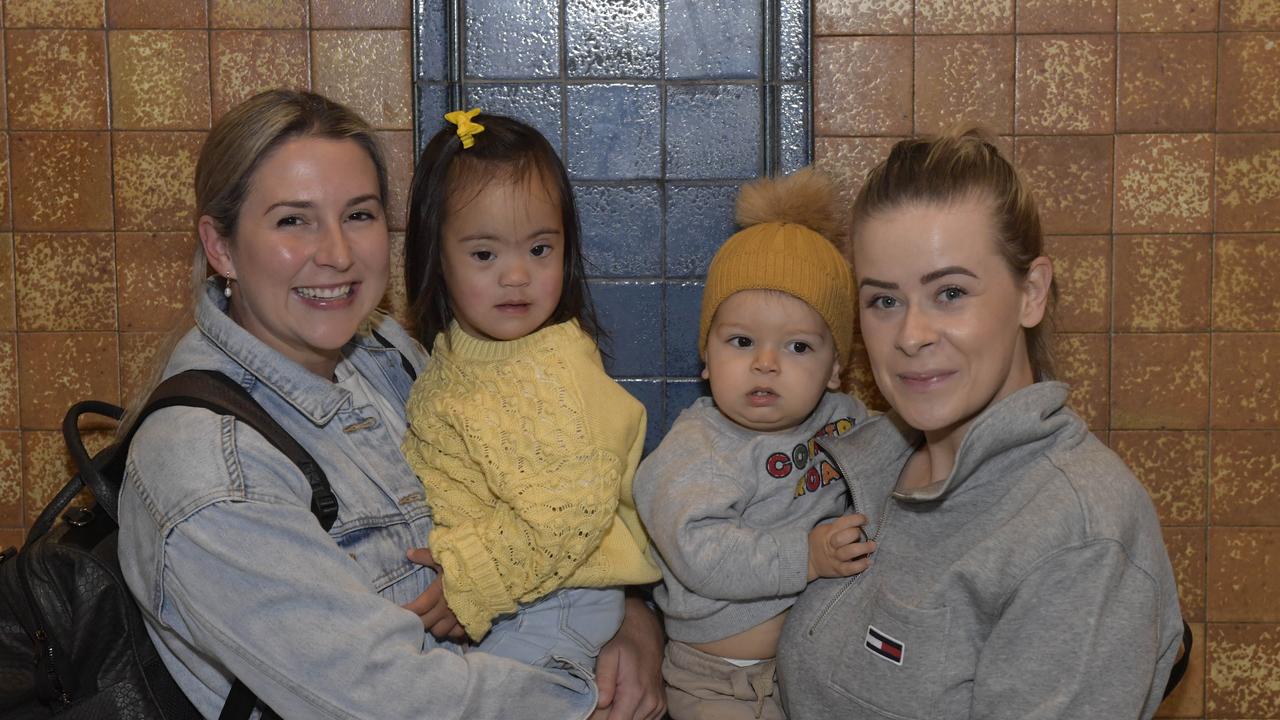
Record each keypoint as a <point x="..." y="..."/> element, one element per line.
<point x="614" y="131"/>
<point x="618" y="39"/>
<point x="714" y="39"/>
<point x="660" y="109"/>
<point x="621" y="229"/>
<point x="699" y="218"/>
<point x="713" y="131"/>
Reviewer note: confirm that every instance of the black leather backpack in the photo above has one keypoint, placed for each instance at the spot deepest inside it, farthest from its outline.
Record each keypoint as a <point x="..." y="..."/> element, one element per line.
<point x="72" y="639"/>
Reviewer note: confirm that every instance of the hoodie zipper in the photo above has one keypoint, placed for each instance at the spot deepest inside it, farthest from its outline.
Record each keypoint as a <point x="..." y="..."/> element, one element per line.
<point x="844" y="589"/>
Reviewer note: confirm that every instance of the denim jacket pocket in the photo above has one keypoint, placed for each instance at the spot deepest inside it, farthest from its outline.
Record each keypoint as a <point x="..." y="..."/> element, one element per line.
<point x="376" y="530"/>
<point x="894" y="658"/>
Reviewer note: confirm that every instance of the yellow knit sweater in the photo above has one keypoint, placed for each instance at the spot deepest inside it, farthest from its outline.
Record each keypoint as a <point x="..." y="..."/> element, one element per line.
<point x="527" y="450"/>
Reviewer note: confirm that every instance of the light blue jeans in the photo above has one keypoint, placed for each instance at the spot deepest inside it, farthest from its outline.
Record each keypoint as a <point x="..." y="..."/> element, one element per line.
<point x="570" y="624"/>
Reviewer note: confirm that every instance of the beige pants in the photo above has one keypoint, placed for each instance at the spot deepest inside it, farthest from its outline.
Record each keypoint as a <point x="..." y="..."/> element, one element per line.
<point x="701" y="686"/>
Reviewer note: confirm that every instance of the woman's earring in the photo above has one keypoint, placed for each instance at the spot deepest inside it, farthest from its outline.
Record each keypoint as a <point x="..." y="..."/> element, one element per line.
<point x="226" y="288"/>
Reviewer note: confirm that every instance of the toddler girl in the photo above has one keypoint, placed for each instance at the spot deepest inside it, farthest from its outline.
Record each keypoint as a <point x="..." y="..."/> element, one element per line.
<point x="525" y="446"/>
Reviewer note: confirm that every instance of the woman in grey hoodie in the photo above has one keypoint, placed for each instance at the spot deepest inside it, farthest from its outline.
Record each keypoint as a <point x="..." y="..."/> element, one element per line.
<point x="1021" y="571"/>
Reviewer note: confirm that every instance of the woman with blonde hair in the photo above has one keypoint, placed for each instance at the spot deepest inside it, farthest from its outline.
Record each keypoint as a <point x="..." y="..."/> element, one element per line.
<point x="1020" y="570"/>
<point x="235" y="576"/>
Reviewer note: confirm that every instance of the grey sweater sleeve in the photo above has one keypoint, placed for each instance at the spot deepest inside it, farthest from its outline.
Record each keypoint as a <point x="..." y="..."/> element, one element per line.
<point x="693" y="511"/>
<point x="1079" y="638"/>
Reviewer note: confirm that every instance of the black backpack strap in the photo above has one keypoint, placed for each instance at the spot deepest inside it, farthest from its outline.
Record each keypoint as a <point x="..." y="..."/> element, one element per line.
<point x="218" y="393"/>
<point x="408" y="366"/>
<point x="1180" y="667"/>
<point x="241" y="703"/>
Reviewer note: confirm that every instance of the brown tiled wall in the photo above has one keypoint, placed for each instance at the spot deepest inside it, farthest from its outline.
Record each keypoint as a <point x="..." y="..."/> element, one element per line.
<point x="1150" y="130"/>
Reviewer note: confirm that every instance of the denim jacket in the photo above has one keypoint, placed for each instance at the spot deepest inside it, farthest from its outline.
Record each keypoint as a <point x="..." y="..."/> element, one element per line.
<point x="236" y="577"/>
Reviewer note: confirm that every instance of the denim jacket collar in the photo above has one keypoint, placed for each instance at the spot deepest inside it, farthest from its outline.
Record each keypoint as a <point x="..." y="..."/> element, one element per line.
<point x="316" y="398"/>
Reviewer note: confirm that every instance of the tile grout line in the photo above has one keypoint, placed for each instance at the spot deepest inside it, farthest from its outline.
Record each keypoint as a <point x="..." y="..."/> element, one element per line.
<point x="13" y="256"/>
<point x="111" y="192"/>
<point x="664" y="198"/>
<point x="1209" y="431"/>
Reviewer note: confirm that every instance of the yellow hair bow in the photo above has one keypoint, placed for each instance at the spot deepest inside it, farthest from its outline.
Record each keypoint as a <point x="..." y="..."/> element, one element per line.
<point x="467" y="130"/>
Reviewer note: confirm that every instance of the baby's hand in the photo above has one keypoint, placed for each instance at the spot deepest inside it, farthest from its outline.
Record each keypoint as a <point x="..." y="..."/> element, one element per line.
<point x="836" y="550"/>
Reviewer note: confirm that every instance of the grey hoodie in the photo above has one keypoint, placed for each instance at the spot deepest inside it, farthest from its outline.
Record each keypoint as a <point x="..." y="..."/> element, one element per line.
<point x="1032" y="582"/>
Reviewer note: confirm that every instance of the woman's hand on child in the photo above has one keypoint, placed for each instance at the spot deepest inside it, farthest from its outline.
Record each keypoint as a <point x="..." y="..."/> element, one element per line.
<point x="430" y="606"/>
<point x="836" y="548"/>
<point x="629" y="669"/>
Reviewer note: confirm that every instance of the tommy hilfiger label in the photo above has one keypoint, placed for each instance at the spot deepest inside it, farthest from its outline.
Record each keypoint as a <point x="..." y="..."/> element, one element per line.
<point x="884" y="646"/>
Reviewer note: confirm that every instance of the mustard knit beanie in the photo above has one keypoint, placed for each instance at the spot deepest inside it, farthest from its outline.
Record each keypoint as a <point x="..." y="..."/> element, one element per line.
<point x="783" y="246"/>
